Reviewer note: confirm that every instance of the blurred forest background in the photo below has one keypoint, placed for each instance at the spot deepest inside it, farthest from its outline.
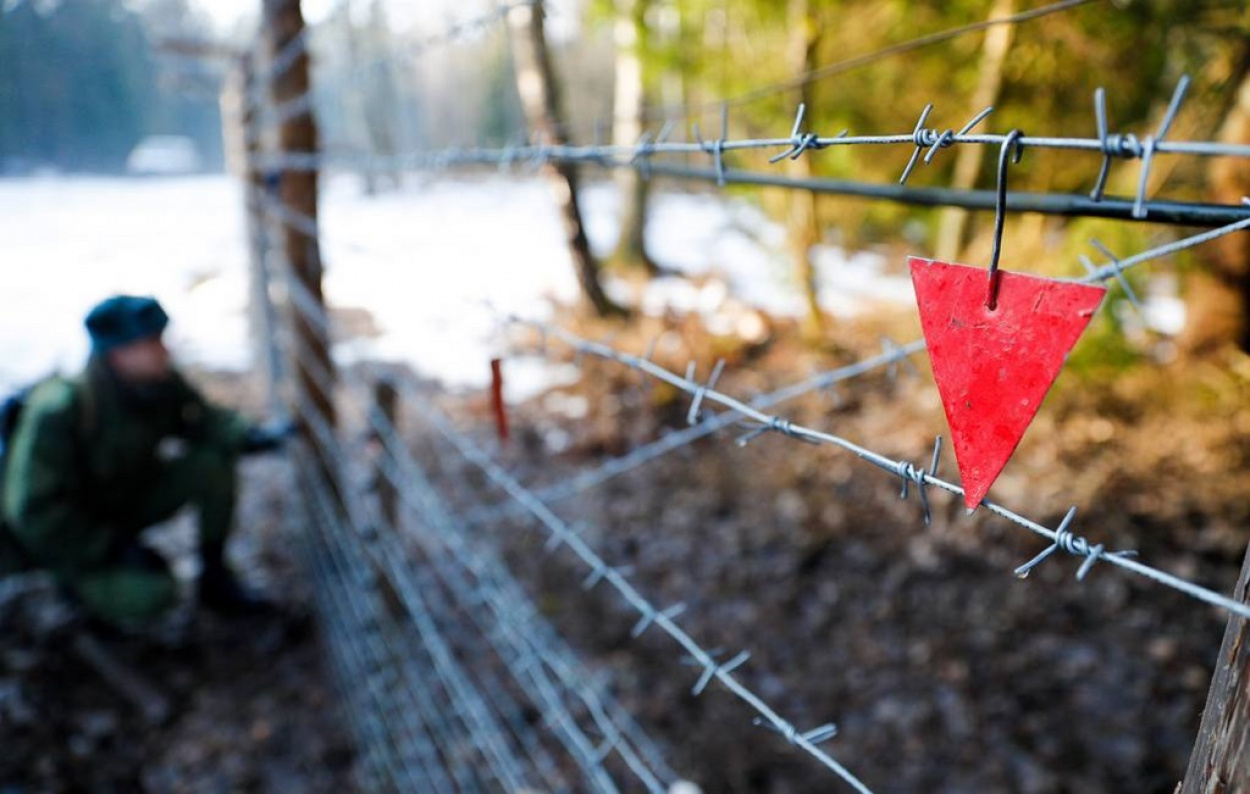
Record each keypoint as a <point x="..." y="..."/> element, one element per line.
<point x="83" y="81"/>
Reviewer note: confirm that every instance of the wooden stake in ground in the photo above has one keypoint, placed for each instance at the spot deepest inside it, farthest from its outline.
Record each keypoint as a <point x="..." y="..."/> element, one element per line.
<point x="386" y="398"/>
<point x="1220" y="763"/>
<point x="297" y="191"/>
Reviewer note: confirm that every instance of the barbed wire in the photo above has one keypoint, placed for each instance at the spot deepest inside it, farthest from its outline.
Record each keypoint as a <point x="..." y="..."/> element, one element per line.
<point x="478" y="719"/>
<point x="624" y="738"/>
<point x="704" y="393"/>
<point x="562" y="534"/>
<point x="925" y="141"/>
<point x="356" y="656"/>
<point x="1062" y="538"/>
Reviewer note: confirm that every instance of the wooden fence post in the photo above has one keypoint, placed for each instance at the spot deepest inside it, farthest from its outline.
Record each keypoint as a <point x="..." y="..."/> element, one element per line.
<point x="291" y="89"/>
<point x="1220" y="763"/>
<point x="386" y="399"/>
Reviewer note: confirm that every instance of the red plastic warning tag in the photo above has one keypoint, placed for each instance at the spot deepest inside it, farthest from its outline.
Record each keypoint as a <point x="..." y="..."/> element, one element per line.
<point x="994" y="367"/>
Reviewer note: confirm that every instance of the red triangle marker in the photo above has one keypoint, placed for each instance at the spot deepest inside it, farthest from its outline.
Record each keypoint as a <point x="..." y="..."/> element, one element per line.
<point x="994" y="367"/>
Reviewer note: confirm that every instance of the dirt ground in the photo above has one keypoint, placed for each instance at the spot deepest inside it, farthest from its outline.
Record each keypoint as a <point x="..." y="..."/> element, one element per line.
<point x="943" y="671"/>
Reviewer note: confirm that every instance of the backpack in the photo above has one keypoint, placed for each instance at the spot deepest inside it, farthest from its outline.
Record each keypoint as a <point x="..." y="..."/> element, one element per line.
<point x="12" y="557"/>
<point x="10" y="414"/>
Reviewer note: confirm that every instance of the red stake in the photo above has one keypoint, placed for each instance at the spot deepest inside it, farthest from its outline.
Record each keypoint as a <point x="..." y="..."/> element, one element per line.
<point x="496" y="398"/>
<point x="994" y="366"/>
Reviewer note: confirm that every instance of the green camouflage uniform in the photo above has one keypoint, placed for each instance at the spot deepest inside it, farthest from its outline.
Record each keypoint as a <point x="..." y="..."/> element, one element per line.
<point x="92" y="463"/>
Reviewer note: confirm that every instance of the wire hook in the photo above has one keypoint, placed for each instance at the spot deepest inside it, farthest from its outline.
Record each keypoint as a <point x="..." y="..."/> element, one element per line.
<point x="1011" y="149"/>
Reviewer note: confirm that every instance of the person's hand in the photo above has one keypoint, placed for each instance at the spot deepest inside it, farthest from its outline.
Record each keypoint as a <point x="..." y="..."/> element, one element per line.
<point x="267" y="437"/>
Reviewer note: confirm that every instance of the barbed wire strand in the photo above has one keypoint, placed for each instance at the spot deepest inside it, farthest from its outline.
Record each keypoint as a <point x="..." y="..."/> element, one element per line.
<point x="1061" y="538"/>
<point x="801" y="142"/>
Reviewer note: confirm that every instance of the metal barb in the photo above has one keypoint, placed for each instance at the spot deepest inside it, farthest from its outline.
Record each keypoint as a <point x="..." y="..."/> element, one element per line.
<point x="712" y="669"/>
<point x="649" y="616"/>
<point x="909" y="474"/>
<point x="775" y="424"/>
<point x="1150" y="145"/>
<point x="800" y="142"/>
<point x="694" y="415"/>
<point x="923" y="137"/>
<point x="787" y="731"/>
<point x="1114" y="261"/>
<point x="1075" y="545"/>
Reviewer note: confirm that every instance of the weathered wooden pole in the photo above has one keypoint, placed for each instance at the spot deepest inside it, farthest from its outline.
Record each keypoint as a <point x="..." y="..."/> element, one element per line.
<point x="1220" y="763"/>
<point x="291" y="92"/>
<point x="540" y="99"/>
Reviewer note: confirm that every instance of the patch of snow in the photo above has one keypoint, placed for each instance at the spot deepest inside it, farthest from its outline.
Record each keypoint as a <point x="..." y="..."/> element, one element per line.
<point x="436" y="264"/>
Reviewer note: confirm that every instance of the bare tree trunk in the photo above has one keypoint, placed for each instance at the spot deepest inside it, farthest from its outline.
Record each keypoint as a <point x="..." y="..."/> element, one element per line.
<point x="803" y="225"/>
<point x="540" y="99"/>
<point x="953" y="222"/>
<point x="356" y="123"/>
<point x="381" y="95"/>
<point x="1218" y="300"/>
<point x="628" y="106"/>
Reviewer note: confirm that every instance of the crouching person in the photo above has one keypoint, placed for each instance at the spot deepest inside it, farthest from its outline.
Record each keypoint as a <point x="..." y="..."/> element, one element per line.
<point x="94" y="460"/>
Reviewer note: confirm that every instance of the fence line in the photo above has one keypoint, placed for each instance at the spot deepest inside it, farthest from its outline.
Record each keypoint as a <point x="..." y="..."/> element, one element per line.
<point x="466" y="701"/>
<point x="561" y="534"/>
<point x="664" y="619"/>
<point x="618" y="738"/>
<point x="1062" y="538"/>
<point x="621" y="735"/>
<point x="536" y="643"/>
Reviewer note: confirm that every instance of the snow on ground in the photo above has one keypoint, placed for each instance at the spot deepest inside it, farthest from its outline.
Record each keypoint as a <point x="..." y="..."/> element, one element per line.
<point x="424" y="261"/>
